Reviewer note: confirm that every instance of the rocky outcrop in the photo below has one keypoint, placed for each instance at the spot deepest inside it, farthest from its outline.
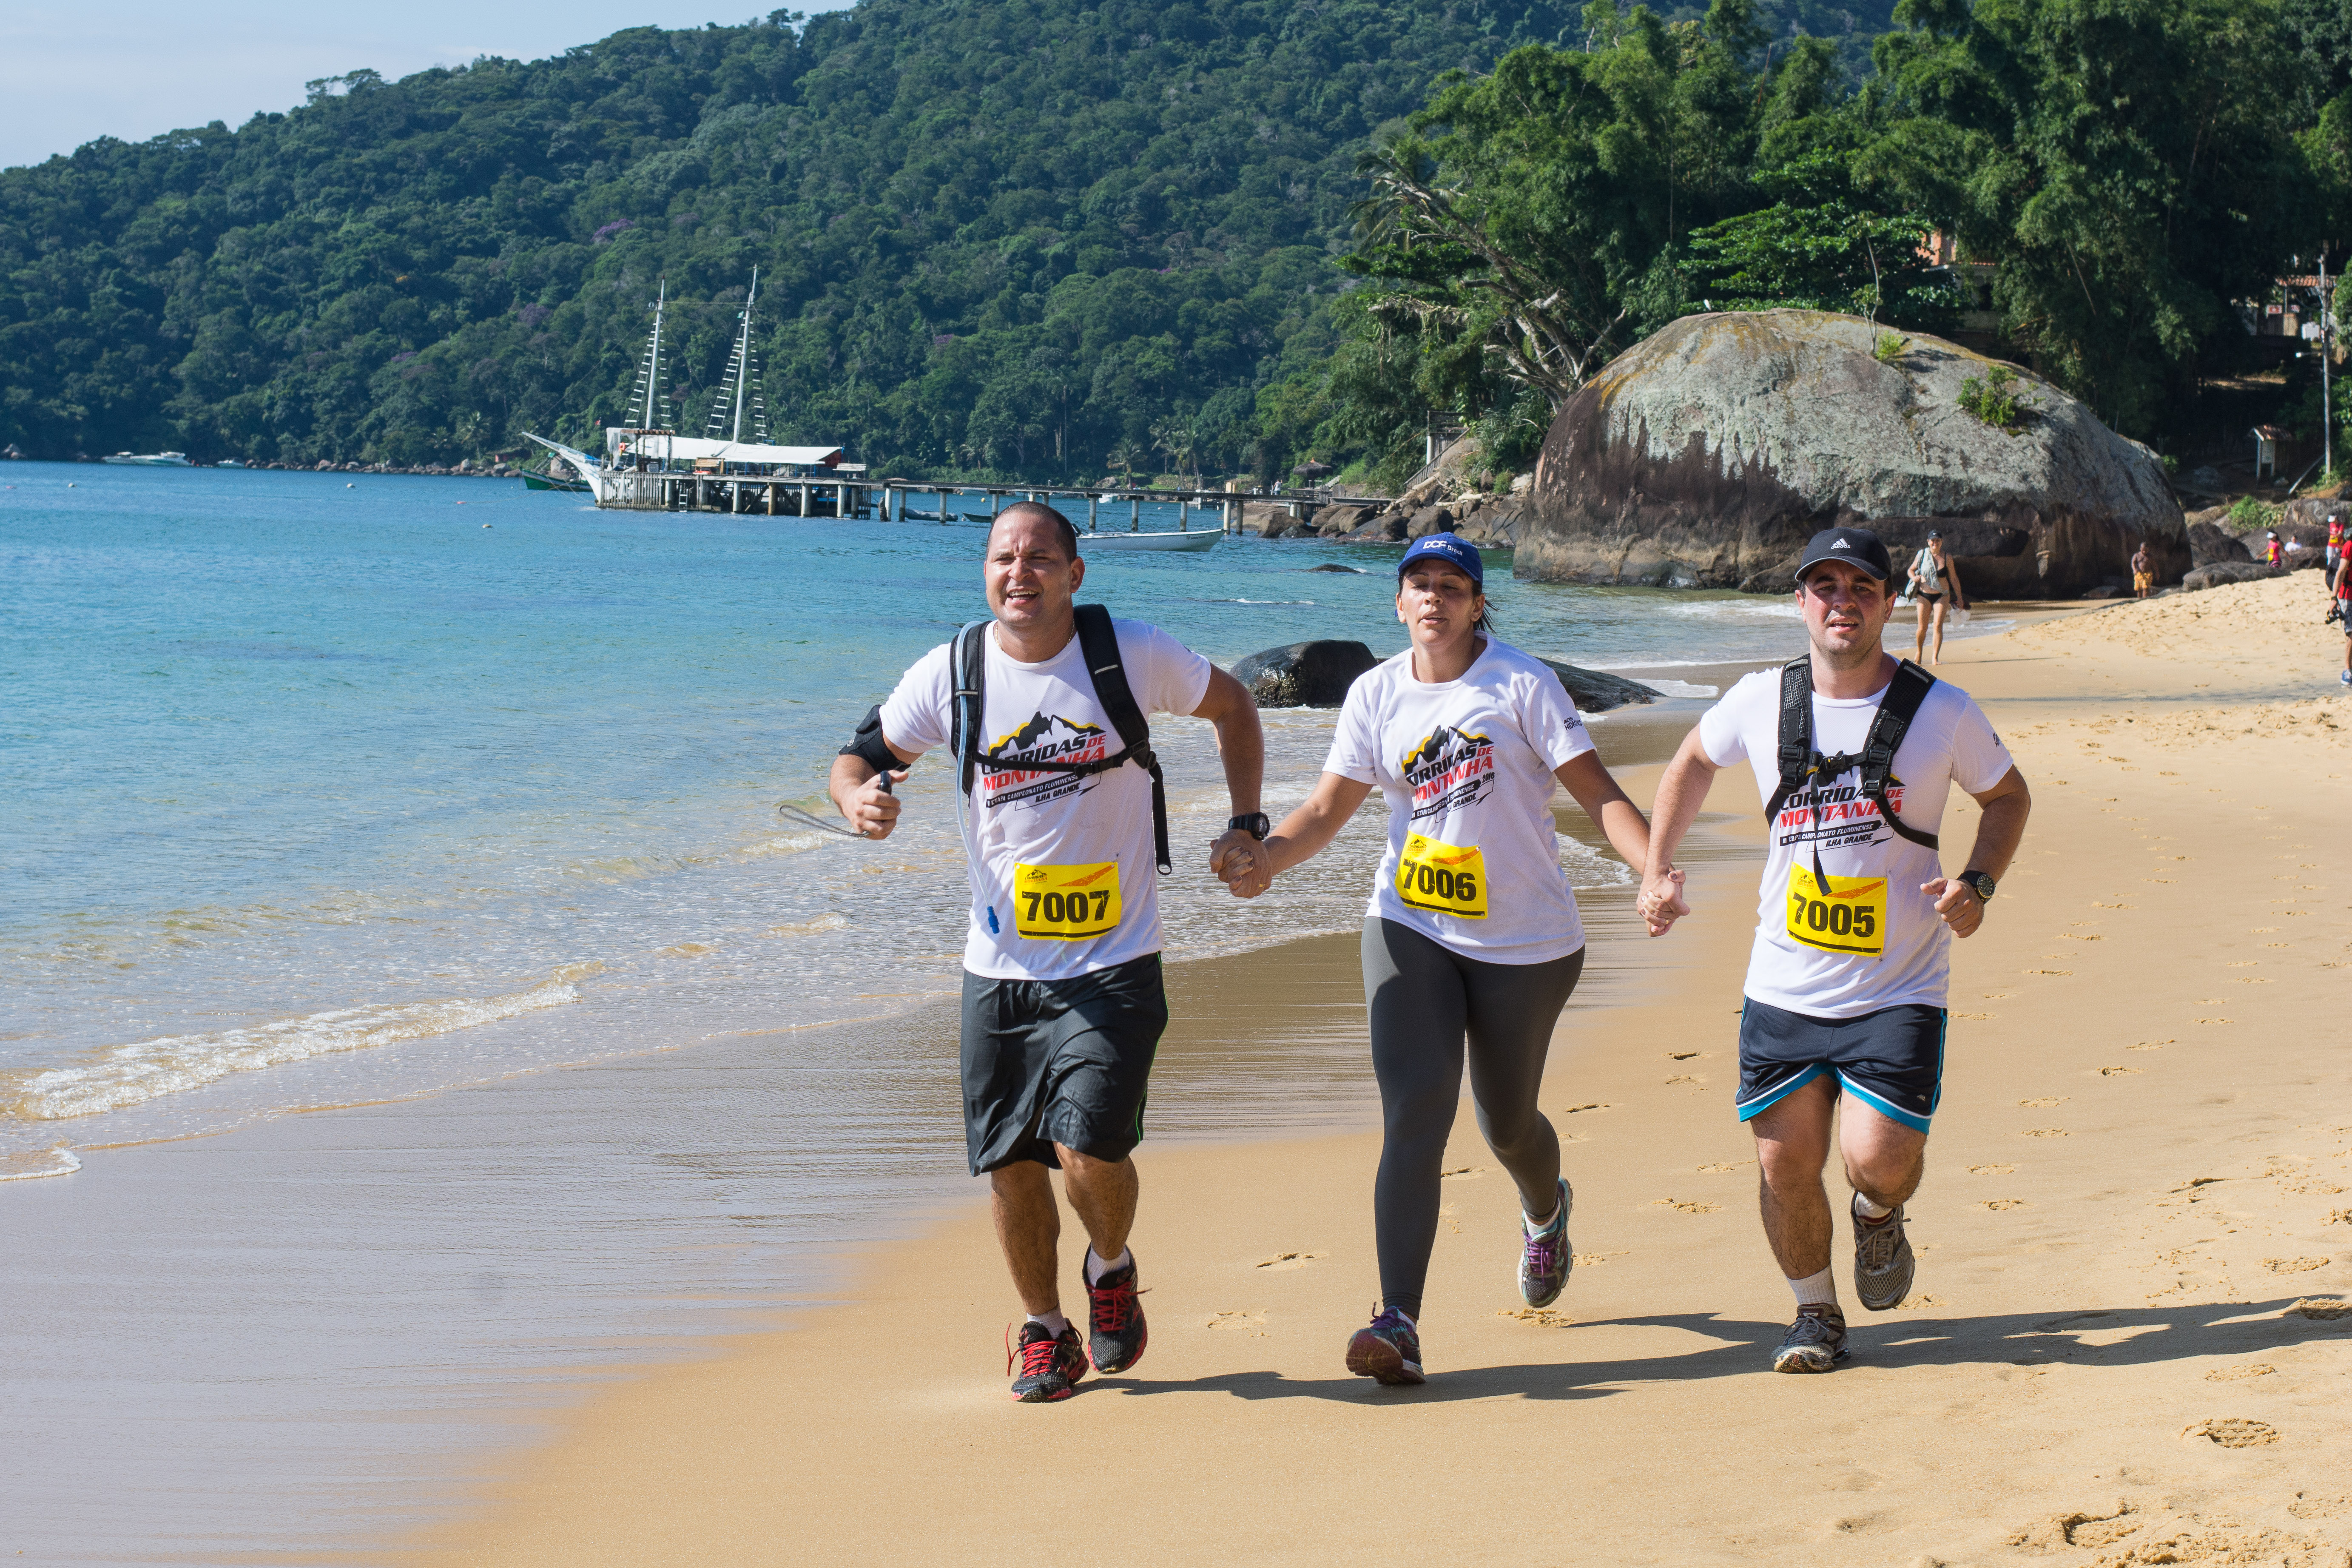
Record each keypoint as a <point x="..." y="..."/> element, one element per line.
<point x="1705" y="456"/>
<point x="2224" y="571"/>
<point x="1304" y="674"/>
<point x="1318" y="675"/>
<point x="2210" y="541"/>
<point x="1597" y="691"/>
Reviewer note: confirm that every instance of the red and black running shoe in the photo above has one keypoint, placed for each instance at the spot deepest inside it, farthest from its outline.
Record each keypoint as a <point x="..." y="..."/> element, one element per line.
<point x="1044" y="1366"/>
<point x="1116" y="1333"/>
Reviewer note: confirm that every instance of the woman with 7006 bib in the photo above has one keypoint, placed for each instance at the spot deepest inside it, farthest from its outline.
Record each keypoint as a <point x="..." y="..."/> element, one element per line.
<point x="1473" y="930"/>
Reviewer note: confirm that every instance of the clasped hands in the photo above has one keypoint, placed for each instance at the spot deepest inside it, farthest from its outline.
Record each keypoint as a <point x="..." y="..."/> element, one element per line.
<point x="1241" y="863"/>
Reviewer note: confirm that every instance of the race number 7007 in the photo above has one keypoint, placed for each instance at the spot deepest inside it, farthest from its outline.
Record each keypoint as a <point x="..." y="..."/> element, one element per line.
<point x="1065" y="903"/>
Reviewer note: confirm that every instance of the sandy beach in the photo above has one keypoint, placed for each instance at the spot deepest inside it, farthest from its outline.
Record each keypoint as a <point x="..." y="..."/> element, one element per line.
<point x="2123" y="1345"/>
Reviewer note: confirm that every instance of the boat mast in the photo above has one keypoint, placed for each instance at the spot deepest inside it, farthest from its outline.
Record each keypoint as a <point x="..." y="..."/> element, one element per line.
<point x="745" y="380"/>
<point x="649" y="379"/>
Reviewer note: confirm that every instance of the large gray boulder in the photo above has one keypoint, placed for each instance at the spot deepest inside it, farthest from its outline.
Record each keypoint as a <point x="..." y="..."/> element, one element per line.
<point x="2219" y="573"/>
<point x="1705" y="456"/>
<point x="1304" y="674"/>
<point x="1597" y="691"/>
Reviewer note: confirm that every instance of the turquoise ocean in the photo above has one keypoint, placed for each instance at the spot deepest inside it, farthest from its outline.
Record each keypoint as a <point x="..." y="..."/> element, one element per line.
<point x="321" y="790"/>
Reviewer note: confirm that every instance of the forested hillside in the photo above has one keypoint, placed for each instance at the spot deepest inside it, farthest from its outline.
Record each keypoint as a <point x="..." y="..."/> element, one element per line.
<point x="1030" y="237"/>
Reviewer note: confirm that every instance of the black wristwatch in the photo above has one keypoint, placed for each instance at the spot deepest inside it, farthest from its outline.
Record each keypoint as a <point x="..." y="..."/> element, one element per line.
<point x="1979" y="884"/>
<point x="1257" y="825"/>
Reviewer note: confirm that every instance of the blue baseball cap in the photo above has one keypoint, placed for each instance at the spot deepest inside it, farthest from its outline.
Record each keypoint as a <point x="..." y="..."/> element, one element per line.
<point x="1450" y="548"/>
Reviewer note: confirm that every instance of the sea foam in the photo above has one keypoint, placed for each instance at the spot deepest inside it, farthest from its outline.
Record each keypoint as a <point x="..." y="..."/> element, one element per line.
<point x="114" y="1077"/>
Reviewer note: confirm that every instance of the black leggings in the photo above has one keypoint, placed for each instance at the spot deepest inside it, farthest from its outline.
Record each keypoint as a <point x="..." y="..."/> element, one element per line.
<point x="1423" y="998"/>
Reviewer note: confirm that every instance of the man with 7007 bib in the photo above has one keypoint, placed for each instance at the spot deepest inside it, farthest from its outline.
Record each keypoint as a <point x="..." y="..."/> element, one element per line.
<point x="1853" y="754"/>
<point x="1065" y="836"/>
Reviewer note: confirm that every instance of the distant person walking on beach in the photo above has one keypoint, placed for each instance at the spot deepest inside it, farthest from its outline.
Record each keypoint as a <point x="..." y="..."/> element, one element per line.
<point x="2272" y="556"/>
<point x="2143" y="571"/>
<point x="2343" y="587"/>
<point x="1065" y="834"/>
<point x="2335" y="540"/>
<point x="1473" y="930"/>
<point x="1846" y="981"/>
<point x="1933" y="577"/>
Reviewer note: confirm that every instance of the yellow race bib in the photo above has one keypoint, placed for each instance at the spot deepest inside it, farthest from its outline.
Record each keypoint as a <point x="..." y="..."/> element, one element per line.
<point x="1443" y="878"/>
<point x="1853" y="918"/>
<point x="1065" y="903"/>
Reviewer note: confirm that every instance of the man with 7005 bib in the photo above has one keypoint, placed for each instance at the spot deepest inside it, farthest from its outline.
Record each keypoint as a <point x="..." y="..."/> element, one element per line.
<point x="1853" y="754"/>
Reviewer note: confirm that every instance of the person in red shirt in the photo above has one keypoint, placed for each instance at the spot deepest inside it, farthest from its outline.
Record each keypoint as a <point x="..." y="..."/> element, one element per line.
<point x="2335" y="540"/>
<point x="2274" y="556"/>
<point x="2343" y="586"/>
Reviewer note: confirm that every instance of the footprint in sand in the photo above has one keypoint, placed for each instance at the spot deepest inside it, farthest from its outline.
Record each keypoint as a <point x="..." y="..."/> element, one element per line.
<point x="1541" y="1317"/>
<point x="1680" y="1206"/>
<point x="1281" y="1260"/>
<point x="2045" y="1132"/>
<point x="1588" y="1105"/>
<point x="2232" y="1432"/>
<point x="2044" y="1103"/>
<point x="1976" y="1018"/>
<point x="2294" y="1265"/>
<point x="1247" y="1320"/>
<point x="2320" y="1505"/>
<point x="2118" y="1072"/>
<point x="2153" y="1045"/>
<point x="1594" y="1259"/>
<point x="1462" y="1174"/>
<point x="1999" y="995"/>
<point x="2217" y="1020"/>
<point x="2238" y="1373"/>
<point x="1719" y="1166"/>
<point x="2078" y="1530"/>
<point x="1680" y="1056"/>
<point x="1684" y="1078"/>
<point x="1990" y="1170"/>
<point x="2321" y="1308"/>
<point x="2003" y="1203"/>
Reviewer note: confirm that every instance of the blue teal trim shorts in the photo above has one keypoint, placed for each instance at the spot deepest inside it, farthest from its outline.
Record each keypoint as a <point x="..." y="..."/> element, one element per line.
<point x="1892" y="1060"/>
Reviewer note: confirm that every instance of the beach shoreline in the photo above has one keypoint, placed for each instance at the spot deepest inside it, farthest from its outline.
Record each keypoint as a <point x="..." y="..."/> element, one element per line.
<point x="2105" y="1331"/>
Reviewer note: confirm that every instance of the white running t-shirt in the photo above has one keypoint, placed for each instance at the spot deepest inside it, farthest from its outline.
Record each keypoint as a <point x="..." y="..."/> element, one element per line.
<point x="1064" y="876"/>
<point x="1474" y="857"/>
<point x="1875" y="941"/>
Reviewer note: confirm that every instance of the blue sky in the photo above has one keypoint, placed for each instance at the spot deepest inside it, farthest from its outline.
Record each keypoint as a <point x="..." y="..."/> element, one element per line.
<point x="135" y="68"/>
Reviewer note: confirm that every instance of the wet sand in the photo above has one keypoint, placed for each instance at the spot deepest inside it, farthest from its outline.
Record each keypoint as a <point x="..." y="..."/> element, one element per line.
<point x="2138" y="1174"/>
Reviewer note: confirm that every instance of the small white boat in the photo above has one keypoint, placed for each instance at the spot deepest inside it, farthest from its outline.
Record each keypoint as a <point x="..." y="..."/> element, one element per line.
<point x="1184" y="539"/>
<point x="229" y="463"/>
<point x="151" y="459"/>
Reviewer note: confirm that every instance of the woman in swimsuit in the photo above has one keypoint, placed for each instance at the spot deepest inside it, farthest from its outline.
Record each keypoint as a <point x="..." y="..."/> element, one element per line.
<point x="1932" y="577"/>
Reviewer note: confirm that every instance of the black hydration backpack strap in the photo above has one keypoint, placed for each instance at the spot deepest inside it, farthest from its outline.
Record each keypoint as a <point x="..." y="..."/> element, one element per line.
<point x="967" y="664"/>
<point x="1893" y="722"/>
<point x="1796" y="733"/>
<point x="1098" y="642"/>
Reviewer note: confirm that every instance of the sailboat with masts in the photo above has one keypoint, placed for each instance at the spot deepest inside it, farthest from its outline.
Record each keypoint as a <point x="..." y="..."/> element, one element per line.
<point x="647" y="465"/>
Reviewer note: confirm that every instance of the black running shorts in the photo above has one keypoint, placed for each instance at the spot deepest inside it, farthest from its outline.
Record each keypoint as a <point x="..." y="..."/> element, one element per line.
<point x="1892" y="1060"/>
<point x="1059" y="1062"/>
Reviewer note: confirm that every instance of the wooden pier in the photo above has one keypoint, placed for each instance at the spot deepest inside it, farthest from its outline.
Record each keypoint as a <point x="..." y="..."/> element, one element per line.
<point x="1094" y="510"/>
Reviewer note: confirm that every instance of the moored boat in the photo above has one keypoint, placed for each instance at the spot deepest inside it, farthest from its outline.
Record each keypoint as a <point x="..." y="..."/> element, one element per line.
<point x="151" y="459"/>
<point x="1172" y="538"/>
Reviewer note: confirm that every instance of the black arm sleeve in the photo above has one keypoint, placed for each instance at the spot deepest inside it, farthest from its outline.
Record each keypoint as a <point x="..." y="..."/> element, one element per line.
<point x="869" y="744"/>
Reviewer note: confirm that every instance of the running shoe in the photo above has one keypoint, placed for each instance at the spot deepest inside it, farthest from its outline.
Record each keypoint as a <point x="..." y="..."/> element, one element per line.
<point x="1884" y="1263"/>
<point x="1545" y="1262"/>
<point x="1387" y="1351"/>
<point x="1049" y="1366"/>
<point x="1814" y="1342"/>
<point x="1116" y="1333"/>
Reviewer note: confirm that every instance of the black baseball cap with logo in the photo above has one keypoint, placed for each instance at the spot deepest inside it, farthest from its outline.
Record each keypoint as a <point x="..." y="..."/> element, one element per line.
<point x="1857" y="547"/>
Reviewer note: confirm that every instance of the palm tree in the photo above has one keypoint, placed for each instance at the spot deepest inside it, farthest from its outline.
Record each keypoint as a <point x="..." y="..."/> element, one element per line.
<point x="1174" y="437"/>
<point x="1123" y="459"/>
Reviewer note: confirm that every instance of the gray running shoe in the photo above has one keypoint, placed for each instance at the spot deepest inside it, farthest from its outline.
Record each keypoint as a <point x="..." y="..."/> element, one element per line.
<point x="1545" y="1262"/>
<point x="1884" y="1263"/>
<point x="1815" y="1341"/>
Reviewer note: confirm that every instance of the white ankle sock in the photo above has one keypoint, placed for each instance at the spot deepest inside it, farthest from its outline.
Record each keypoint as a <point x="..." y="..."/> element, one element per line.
<point x="1052" y="1323"/>
<point x="1538" y="1226"/>
<point x="1817" y="1290"/>
<point x="1096" y="1267"/>
<point x="1869" y="1210"/>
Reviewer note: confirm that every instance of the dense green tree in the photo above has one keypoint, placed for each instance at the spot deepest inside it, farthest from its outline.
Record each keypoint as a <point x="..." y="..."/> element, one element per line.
<point x="2127" y="167"/>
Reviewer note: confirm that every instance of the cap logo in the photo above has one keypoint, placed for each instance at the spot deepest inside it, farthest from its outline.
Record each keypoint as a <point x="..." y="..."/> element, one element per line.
<point x="1840" y="544"/>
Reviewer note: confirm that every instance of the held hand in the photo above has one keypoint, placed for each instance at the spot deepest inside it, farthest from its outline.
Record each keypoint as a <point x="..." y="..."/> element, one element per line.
<point x="1660" y="901"/>
<point x="1241" y="862"/>
<point x="874" y="810"/>
<point x="1957" y="904"/>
